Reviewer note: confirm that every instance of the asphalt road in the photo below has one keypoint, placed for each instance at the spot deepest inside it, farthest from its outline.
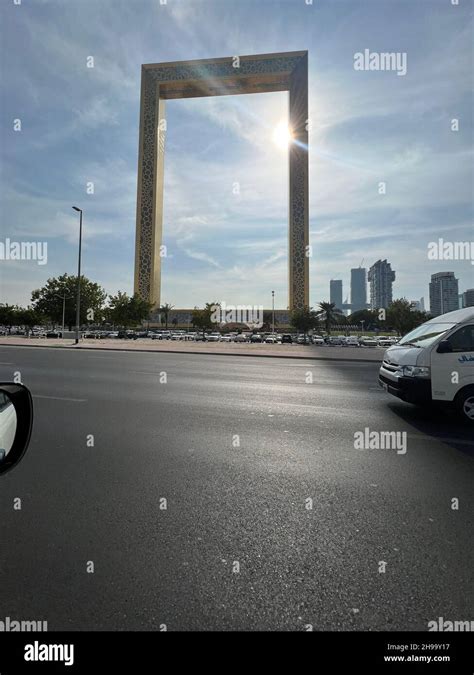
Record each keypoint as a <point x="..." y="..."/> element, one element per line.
<point x="236" y="446"/>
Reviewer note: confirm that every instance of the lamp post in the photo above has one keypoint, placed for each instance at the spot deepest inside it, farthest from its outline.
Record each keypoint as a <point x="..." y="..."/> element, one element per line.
<point x="78" y="304"/>
<point x="273" y="312"/>
<point x="63" y="298"/>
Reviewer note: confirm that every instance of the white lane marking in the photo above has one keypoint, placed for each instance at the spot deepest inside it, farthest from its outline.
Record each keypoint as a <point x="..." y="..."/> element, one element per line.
<point x="60" y="398"/>
<point x="5" y="363"/>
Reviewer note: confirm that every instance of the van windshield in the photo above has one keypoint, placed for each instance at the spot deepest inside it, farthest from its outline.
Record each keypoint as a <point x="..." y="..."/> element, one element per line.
<point x="426" y="334"/>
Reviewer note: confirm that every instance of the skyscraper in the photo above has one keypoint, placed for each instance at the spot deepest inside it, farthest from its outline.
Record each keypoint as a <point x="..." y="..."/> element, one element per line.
<point x="335" y="292"/>
<point x="468" y="298"/>
<point x="381" y="277"/>
<point x="358" y="288"/>
<point x="443" y="293"/>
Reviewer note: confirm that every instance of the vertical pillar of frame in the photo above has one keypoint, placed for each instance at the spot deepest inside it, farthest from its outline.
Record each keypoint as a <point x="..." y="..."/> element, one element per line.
<point x="149" y="224"/>
<point x="298" y="260"/>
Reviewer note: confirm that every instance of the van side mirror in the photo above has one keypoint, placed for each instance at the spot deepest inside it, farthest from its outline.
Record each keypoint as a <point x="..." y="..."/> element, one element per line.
<point x="444" y="347"/>
<point x="16" y="420"/>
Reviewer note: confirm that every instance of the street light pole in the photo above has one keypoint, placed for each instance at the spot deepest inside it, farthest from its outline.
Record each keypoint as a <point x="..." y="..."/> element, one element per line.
<point x="78" y="303"/>
<point x="64" y="311"/>
<point x="273" y="312"/>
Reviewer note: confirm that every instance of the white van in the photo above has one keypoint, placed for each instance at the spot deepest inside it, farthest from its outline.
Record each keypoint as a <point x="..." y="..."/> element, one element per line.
<point x="434" y="363"/>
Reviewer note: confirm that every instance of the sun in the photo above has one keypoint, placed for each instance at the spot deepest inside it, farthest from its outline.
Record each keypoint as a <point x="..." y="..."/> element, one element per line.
<point x="282" y="135"/>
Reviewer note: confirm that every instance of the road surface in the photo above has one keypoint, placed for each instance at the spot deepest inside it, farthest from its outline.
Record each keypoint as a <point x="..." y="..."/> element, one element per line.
<point x="192" y="498"/>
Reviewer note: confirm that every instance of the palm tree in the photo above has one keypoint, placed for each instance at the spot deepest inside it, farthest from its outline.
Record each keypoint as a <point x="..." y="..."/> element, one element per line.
<point x="329" y="312"/>
<point x="166" y="309"/>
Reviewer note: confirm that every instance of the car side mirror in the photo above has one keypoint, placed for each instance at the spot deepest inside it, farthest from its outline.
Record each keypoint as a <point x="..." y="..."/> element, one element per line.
<point x="16" y="421"/>
<point x="444" y="347"/>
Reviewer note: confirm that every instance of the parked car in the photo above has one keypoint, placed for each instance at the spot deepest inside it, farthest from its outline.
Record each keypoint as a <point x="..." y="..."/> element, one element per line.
<point x="303" y="340"/>
<point x="318" y="340"/>
<point x="213" y="337"/>
<point x="286" y="339"/>
<point x="368" y="341"/>
<point x="256" y="337"/>
<point x="335" y="340"/>
<point x="271" y="339"/>
<point x="240" y="338"/>
<point x="352" y="341"/>
<point x="53" y="334"/>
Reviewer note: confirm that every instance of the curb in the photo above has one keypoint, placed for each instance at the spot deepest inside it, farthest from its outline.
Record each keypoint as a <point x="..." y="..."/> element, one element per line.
<point x="173" y="351"/>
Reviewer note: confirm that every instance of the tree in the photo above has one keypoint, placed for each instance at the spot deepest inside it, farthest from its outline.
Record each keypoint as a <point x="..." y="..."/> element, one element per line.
<point x="48" y="300"/>
<point x="125" y="311"/>
<point x="327" y="311"/>
<point x="303" y="319"/>
<point x="402" y="318"/>
<point x="202" y="318"/>
<point x="8" y="316"/>
<point x="369" y="318"/>
<point x="138" y="309"/>
<point x="165" y="310"/>
<point x="27" y="318"/>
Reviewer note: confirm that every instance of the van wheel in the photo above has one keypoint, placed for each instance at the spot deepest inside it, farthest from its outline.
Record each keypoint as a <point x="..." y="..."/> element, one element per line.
<point x="465" y="404"/>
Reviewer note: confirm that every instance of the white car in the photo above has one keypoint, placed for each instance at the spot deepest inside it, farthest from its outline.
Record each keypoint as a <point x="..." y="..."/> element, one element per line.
<point x="318" y="340"/>
<point x="213" y="337"/>
<point x="227" y="338"/>
<point x="368" y="342"/>
<point x="241" y="338"/>
<point x="271" y="339"/>
<point x="352" y="341"/>
<point x="335" y="340"/>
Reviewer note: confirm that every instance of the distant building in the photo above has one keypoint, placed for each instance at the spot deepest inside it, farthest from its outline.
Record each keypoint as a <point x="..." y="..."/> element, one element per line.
<point x="335" y="292"/>
<point x="418" y="305"/>
<point x="468" y="298"/>
<point x="381" y="278"/>
<point x="443" y="293"/>
<point x="358" y="288"/>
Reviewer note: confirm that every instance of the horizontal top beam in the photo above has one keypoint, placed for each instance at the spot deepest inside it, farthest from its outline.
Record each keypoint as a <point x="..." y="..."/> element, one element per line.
<point x="224" y="76"/>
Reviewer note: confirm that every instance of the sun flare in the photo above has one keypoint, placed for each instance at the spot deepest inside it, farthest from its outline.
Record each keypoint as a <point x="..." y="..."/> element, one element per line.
<point x="282" y="135"/>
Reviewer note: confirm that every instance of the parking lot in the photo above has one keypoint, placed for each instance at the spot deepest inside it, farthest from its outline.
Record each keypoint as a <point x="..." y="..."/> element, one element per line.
<point x="245" y="337"/>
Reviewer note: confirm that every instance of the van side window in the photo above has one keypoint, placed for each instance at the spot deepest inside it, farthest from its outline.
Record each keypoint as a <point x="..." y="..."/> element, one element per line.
<point x="463" y="339"/>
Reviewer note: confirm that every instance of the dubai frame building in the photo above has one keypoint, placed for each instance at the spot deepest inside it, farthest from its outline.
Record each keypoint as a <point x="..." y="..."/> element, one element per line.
<point x="287" y="71"/>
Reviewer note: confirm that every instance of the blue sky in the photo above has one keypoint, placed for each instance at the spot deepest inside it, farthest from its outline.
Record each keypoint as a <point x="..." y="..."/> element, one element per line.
<point x="80" y="125"/>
